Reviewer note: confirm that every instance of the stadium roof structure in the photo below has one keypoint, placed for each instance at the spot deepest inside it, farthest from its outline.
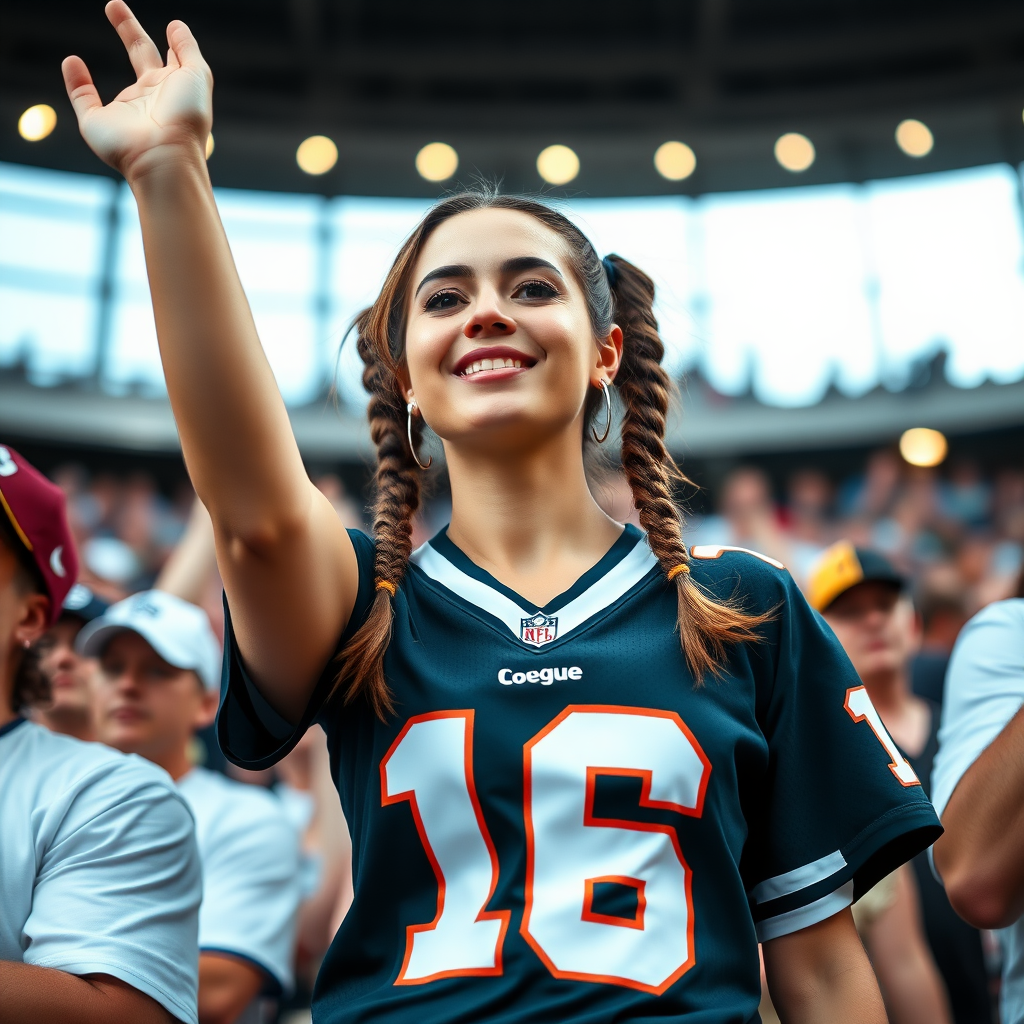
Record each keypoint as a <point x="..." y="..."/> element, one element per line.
<point x="611" y="79"/>
<point x="708" y="424"/>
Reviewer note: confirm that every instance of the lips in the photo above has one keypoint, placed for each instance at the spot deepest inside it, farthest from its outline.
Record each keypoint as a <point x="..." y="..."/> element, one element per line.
<point x="488" y="362"/>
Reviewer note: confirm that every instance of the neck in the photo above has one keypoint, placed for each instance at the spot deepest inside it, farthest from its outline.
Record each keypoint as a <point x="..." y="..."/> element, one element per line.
<point x="69" y="723"/>
<point x="889" y="691"/>
<point x="8" y="672"/>
<point x="174" y="760"/>
<point x="528" y="518"/>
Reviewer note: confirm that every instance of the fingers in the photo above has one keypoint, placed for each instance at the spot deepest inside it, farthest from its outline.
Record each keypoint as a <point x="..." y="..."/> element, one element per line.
<point x="183" y="43"/>
<point x="79" y="84"/>
<point x="142" y="51"/>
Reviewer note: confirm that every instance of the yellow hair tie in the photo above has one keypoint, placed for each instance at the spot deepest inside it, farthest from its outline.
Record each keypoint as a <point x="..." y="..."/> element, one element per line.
<point x="677" y="569"/>
<point x="386" y="585"/>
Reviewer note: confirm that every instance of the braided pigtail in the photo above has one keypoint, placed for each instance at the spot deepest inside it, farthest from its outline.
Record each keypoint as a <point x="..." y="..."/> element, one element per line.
<point x="397" y="498"/>
<point x="707" y="627"/>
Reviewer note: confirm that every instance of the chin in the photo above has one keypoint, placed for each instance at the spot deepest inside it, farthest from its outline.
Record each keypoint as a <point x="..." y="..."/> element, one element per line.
<point x="127" y="739"/>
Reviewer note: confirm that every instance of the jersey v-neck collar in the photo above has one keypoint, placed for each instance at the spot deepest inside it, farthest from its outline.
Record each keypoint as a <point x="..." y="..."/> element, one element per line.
<point x="624" y="565"/>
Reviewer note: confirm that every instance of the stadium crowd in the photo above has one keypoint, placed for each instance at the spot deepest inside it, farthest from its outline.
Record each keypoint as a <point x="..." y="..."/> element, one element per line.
<point x="951" y="543"/>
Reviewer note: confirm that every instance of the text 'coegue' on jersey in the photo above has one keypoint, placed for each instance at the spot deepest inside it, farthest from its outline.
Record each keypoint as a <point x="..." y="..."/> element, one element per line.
<point x="558" y="825"/>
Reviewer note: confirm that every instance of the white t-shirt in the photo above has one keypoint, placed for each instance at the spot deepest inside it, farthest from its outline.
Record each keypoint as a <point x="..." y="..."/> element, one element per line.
<point x="99" y="871"/>
<point x="984" y="690"/>
<point x="250" y="856"/>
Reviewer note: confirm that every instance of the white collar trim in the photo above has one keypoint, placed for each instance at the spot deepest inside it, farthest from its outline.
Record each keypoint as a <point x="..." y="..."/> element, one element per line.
<point x="622" y="577"/>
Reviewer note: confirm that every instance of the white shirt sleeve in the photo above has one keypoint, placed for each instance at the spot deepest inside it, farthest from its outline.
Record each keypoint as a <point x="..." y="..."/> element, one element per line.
<point x="118" y="888"/>
<point x="251" y="886"/>
<point x="984" y="690"/>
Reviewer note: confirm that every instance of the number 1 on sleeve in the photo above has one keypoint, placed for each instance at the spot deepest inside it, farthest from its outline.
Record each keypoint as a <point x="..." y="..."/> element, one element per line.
<point x="860" y="709"/>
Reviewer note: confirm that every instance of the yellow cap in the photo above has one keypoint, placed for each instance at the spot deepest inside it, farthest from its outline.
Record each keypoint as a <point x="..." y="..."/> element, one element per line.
<point x="836" y="571"/>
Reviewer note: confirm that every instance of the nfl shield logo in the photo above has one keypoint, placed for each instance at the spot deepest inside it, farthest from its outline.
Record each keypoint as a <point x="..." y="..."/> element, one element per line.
<point x="538" y="630"/>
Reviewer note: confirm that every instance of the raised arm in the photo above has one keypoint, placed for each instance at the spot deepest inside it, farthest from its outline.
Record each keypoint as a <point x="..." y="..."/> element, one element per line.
<point x="288" y="566"/>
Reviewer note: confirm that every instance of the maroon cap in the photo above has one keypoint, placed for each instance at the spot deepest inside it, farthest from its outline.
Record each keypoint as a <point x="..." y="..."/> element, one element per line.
<point x="35" y="508"/>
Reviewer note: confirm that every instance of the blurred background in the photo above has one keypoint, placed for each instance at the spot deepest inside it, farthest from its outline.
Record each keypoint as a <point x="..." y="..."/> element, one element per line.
<point x="829" y="197"/>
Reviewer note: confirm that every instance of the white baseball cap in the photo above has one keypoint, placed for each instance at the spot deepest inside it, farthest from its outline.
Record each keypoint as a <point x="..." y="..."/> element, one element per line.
<point x="178" y="631"/>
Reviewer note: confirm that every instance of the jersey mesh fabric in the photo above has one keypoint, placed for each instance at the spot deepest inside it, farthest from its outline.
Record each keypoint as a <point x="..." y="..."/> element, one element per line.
<point x="99" y="871"/>
<point x="772" y="809"/>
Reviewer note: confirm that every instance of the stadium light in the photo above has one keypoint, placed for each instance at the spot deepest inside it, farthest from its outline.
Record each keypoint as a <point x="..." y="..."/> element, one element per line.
<point x="558" y="165"/>
<point x="675" y="160"/>
<point x="437" y="161"/>
<point x="37" y="122"/>
<point x="914" y="138"/>
<point x="209" y="145"/>
<point x="921" y="446"/>
<point x="794" y="151"/>
<point x="317" y="154"/>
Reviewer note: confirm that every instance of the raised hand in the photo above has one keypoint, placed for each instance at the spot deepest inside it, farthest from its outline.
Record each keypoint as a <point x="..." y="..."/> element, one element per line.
<point x="167" y="111"/>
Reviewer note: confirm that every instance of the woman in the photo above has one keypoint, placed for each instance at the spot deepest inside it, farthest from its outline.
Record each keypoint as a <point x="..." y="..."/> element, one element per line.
<point x="584" y="769"/>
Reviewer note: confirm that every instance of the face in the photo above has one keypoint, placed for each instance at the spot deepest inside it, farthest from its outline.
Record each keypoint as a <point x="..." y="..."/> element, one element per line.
<point x="876" y="626"/>
<point x="500" y="351"/>
<point x="143" y="705"/>
<point x="68" y="672"/>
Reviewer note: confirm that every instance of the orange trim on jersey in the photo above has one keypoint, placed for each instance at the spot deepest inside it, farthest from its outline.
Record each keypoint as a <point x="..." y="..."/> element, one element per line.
<point x="503" y="916"/>
<point x="893" y="767"/>
<point x="590" y="914"/>
<point x="589" y="819"/>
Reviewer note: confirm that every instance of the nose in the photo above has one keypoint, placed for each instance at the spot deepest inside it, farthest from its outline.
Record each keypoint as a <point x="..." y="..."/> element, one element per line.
<point x="488" y="321"/>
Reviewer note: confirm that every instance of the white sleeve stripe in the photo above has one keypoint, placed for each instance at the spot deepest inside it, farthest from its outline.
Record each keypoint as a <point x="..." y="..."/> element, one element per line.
<point x="804" y="917"/>
<point x="799" y="878"/>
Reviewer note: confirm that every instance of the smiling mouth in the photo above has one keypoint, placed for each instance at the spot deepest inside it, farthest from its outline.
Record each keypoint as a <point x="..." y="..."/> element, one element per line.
<point x="492" y="362"/>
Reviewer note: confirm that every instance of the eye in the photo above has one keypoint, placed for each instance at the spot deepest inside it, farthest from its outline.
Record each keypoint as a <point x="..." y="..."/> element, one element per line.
<point x="535" y="290"/>
<point x="442" y="301"/>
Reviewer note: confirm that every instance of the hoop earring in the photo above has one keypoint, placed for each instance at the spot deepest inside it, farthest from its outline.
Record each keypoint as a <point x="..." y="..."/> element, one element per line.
<point x="606" y="388"/>
<point x="412" y="448"/>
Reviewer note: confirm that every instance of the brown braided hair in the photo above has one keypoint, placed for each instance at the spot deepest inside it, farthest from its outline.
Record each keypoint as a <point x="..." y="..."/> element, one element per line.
<point x="615" y="292"/>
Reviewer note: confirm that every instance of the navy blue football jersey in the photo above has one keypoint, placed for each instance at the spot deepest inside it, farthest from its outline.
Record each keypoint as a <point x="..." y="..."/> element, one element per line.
<point x="559" y="825"/>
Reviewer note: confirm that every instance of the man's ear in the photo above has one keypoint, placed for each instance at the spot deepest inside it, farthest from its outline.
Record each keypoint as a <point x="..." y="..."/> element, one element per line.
<point x="34" y="619"/>
<point x="207" y="713"/>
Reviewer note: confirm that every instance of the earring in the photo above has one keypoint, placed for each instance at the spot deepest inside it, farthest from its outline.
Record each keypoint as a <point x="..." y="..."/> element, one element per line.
<point x="412" y="448"/>
<point x="26" y="644"/>
<point x="606" y="388"/>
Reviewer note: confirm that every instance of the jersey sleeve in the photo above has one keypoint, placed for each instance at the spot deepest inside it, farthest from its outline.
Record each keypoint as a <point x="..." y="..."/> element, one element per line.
<point x="841" y="808"/>
<point x="118" y="889"/>
<point x="250" y="732"/>
<point x="251" y="893"/>
<point x="984" y="690"/>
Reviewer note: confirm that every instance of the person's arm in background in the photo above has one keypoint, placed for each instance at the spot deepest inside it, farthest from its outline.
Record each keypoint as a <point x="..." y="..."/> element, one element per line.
<point x="978" y="782"/>
<point x="191" y="565"/>
<point x="227" y="986"/>
<point x="44" y="995"/>
<point x="317" y="915"/>
<point x="981" y="857"/>
<point x="903" y="963"/>
<point x="822" y="973"/>
<point x="288" y="565"/>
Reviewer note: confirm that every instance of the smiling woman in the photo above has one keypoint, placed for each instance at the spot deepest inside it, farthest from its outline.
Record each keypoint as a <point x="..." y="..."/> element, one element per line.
<point x="474" y="803"/>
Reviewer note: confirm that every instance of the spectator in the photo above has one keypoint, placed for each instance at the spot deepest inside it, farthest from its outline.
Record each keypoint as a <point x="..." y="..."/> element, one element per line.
<point x="979" y="782"/>
<point x="941" y="608"/>
<point x="159" y="681"/>
<point x="99" y="872"/>
<point x="68" y="673"/>
<point x="864" y="600"/>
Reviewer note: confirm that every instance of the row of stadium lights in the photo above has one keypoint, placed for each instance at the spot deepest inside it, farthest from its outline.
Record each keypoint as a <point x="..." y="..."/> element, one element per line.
<point x="557" y="165"/>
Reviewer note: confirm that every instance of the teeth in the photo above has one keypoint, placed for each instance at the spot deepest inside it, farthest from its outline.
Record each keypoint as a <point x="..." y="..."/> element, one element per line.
<point x="491" y="364"/>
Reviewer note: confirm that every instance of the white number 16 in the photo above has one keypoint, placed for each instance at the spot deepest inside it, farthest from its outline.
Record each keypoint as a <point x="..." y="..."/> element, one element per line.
<point x="569" y="849"/>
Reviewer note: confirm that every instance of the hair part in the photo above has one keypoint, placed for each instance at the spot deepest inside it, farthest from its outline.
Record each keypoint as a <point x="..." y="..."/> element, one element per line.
<point x="30" y="683"/>
<point x="707" y="626"/>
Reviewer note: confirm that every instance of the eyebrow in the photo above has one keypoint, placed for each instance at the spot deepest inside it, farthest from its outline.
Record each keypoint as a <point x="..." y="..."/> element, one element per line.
<point x="513" y="266"/>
